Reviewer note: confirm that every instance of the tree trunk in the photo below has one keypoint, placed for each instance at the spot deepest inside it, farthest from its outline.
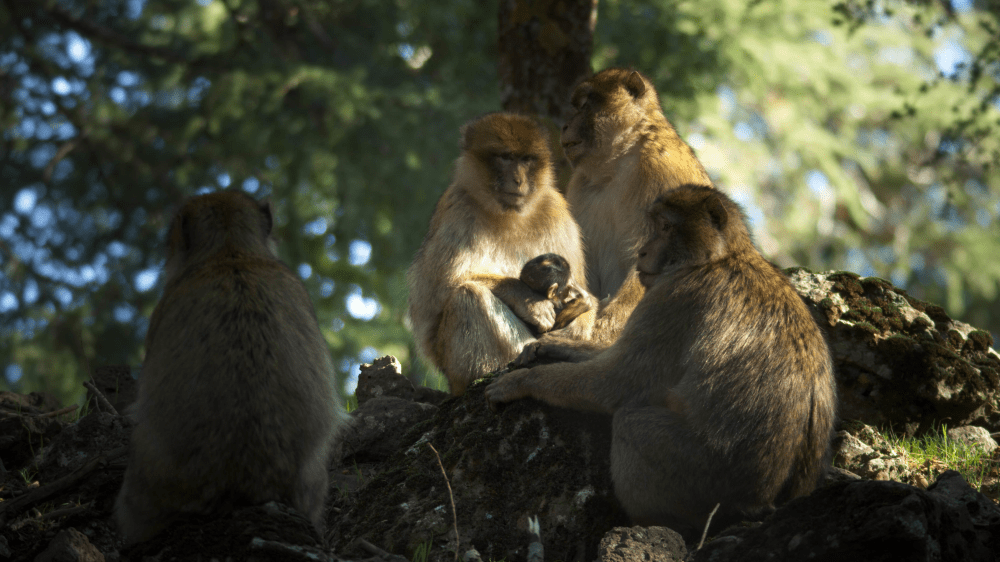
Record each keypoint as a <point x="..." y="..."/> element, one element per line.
<point x="545" y="48"/>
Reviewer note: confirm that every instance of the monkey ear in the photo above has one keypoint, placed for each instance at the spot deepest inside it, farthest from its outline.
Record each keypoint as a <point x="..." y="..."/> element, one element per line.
<point x="464" y="136"/>
<point x="635" y="84"/>
<point x="267" y="216"/>
<point x="717" y="212"/>
<point x="553" y="290"/>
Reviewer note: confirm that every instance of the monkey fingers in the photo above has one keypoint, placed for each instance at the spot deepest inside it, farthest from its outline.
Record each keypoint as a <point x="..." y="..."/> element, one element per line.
<point x="507" y="388"/>
<point x="553" y="347"/>
<point x="540" y="314"/>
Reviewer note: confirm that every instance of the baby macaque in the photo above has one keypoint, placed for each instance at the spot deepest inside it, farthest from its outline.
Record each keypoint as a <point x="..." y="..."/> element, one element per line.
<point x="549" y="275"/>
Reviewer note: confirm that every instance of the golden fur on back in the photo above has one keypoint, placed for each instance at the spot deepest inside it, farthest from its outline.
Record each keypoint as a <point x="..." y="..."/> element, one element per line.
<point x="624" y="154"/>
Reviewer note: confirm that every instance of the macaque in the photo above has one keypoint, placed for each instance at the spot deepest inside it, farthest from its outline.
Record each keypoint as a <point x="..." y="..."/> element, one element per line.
<point x="470" y="313"/>
<point x="237" y="402"/>
<point x="721" y="385"/>
<point x="624" y="155"/>
<point x="548" y="274"/>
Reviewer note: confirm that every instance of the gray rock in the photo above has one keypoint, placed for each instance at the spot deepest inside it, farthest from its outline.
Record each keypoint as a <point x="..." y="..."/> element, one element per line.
<point x="384" y="377"/>
<point x="901" y="362"/>
<point x="380" y="424"/>
<point x="640" y="544"/>
<point x="70" y="545"/>
<point x="973" y="435"/>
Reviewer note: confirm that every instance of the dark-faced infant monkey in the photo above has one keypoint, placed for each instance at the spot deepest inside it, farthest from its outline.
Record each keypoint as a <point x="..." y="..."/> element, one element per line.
<point x="721" y="385"/>
<point x="237" y="403"/>
<point x="624" y="155"/>
<point x="470" y="312"/>
<point x="549" y="275"/>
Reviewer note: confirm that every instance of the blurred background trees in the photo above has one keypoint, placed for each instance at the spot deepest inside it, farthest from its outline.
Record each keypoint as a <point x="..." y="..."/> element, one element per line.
<point x="860" y="135"/>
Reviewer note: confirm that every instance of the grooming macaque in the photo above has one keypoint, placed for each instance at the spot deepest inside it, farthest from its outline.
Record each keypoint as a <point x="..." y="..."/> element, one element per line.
<point x="721" y="385"/>
<point x="470" y="312"/>
<point x="237" y="403"/>
<point x="624" y="154"/>
<point x="549" y="275"/>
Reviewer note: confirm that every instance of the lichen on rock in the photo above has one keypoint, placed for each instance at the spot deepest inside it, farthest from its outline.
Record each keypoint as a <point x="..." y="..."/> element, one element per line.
<point x="901" y="362"/>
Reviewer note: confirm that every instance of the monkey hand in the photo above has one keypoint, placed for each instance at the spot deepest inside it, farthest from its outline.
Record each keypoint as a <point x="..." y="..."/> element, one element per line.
<point x="539" y="313"/>
<point x="507" y="388"/>
<point x="551" y="348"/>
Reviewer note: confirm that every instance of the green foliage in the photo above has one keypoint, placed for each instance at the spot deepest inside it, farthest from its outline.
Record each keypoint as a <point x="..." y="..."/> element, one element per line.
<point x="422" y="551"/>
<point x="934" y="452"/>
<point x="831" y="122"/>
<point x="840" y="129"/>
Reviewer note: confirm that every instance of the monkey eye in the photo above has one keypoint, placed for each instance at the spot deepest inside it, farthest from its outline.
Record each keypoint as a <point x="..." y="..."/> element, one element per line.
<point x="505" y="156"/>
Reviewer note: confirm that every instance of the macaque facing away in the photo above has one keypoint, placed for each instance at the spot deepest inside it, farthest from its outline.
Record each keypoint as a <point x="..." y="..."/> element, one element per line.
<point x="237" y="403"/>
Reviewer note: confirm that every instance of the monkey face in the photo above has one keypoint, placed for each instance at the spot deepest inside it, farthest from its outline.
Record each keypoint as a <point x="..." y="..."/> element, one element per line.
<point x="547" y="274"/>
<point x="694" y="225"/>
<point x="512" y="154"/>
<point x="513" y="175"/>
<point x="605" y="106"/>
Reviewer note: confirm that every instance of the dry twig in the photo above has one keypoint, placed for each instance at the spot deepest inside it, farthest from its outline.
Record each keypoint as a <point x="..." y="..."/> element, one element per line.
<point x="707" y="523"/>
<point x="100" y="398"/>
<point x="454" y="515"/>
<point x="54" y="414"/>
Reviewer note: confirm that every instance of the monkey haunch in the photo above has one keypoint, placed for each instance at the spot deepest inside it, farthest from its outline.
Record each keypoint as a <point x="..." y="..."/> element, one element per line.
<point x="624" y="154"/>
<point x="470" y="312"/>
<point x="549" y="275"/>
<point x="237" y="401"/>
<point x="721" y="383"/>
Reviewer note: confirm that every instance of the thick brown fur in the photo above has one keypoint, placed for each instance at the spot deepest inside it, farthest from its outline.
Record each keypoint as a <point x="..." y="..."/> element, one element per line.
<point x="237" y="403"/>
<point x="470" y="312"/>
<point x="721" y="384"/>
<point x="624" y="155"/>
<point x="549" y="275"/>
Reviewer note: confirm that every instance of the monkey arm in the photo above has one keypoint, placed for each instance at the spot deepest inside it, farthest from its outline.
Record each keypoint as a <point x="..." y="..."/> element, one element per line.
<point x="613" y="314"/>
<point x="556" y="347"/>
<point x="529" y="306"/>
<point x="587" y="386"/>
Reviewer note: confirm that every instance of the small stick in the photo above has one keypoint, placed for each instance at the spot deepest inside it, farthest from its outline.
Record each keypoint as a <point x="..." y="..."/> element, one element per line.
<point x="67" y="511"/>
<point x="454" y="515"/>
<point x="707" y="523"/>
<point x="57" y="413"/>
<point x="100" y="398"/>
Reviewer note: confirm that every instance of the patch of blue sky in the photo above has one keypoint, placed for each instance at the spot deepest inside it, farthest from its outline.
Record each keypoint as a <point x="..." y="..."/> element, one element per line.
<point x="12" y="373"/>
<point x="361" y="307"/>
<point x="305" y="270"/>
<point x="146" y="279"/>
<point x="360" y="252"/>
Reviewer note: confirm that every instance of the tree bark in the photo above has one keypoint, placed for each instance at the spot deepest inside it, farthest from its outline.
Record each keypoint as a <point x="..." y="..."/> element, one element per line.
<point x="545" y="48"/>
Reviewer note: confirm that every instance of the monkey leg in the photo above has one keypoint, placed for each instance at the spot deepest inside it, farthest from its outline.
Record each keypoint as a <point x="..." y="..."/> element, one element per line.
<point x="665" y="474"/>
<point x="478" y="334"/>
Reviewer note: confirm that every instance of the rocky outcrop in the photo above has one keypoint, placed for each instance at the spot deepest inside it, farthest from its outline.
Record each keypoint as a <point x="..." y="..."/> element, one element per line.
<point x="425" y="474"/>
<point x="901" y="362"/>
<point x="871" y="521"/>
